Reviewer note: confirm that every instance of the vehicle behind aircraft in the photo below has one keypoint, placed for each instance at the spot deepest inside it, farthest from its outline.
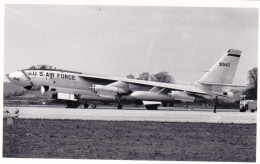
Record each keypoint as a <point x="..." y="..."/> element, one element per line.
<point x="247" y="104"/>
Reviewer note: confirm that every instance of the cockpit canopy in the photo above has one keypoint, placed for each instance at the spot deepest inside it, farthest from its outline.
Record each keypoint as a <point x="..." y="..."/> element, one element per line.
<point x="48" y="67"/>
<point x="43" y="67"/>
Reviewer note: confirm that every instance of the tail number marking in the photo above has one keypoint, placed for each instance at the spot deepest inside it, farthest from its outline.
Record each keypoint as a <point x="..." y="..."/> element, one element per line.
<point x="224" y="64"/>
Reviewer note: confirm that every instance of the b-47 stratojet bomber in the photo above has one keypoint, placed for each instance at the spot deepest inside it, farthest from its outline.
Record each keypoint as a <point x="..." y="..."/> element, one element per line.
<point x="75" y="86"/>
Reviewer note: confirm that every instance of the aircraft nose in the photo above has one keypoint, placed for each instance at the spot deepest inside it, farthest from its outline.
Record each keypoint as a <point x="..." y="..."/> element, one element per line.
<point x="18" y="78"/>
<point x="15" y="76"/>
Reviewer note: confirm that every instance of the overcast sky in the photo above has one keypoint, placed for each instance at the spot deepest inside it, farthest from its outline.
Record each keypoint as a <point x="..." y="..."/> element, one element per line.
<point x="119" y="40"/>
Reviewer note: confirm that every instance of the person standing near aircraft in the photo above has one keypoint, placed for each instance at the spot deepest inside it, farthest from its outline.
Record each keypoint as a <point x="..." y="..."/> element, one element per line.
<point x="215" y="104"/>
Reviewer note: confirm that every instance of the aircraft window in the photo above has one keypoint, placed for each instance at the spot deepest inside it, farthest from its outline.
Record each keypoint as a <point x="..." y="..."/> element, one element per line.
<point x="43" y="67"/>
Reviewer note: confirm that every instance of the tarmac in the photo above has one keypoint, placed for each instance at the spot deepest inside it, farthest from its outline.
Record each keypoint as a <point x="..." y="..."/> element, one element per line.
<point x="134" y="114"/>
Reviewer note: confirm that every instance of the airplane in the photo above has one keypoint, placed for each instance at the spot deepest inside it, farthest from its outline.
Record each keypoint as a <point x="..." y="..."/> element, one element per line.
<point x="75" y="86"/>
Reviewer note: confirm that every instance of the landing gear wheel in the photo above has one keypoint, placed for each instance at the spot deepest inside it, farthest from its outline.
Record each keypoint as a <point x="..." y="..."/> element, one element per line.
<point x="151" y="107"/>
<point x="252" y="110"/>
<point x="72" y="104"/>
<point x="85" y="105"/>
<point x="93" y="106"/>
<point x="242" y="109"/>
<point x="164" y="104"/>
<point x="119" y="106"/>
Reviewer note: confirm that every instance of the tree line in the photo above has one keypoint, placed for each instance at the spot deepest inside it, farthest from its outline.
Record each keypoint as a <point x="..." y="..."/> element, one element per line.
<point x="251" y="91"/>
<point x="158" y="77"/>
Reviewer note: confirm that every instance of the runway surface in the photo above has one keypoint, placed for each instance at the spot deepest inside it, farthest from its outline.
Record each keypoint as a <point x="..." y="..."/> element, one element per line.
<point x="205" y="116"/>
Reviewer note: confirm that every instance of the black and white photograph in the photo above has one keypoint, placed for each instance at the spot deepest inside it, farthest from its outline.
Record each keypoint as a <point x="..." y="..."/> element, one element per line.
<point x="130" y="82"/>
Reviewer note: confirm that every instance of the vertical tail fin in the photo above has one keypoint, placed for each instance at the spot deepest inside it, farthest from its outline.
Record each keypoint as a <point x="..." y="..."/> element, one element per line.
<point x="223" y="71"/>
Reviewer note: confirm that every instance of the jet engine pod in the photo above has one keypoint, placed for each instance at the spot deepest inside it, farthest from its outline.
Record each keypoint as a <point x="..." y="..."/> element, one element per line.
<point x="183" y="96"/>
<point x="150" y="96"/>
<point x="104" y="88"/>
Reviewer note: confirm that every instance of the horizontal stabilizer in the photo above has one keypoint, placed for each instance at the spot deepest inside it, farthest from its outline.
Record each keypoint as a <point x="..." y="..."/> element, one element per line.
<point x="225" y="85"/>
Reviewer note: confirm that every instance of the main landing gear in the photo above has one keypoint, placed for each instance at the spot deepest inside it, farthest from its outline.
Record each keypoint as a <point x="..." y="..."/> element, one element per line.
<point x="72" y="104"/>
<point x="75" y="104"/>
<point x="86" y="105"/>
<point x="119" y="106"/>
<point x="152" y="107"/>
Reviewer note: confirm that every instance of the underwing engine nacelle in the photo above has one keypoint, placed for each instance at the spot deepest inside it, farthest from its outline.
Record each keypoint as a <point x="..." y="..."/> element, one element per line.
<point x="182" y="96"/>
<point x="150" y="96"/>
<point x="109" y="89"/>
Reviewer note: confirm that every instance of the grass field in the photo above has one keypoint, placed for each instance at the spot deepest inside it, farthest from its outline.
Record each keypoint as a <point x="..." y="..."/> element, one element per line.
<point x="76" y="139"/>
